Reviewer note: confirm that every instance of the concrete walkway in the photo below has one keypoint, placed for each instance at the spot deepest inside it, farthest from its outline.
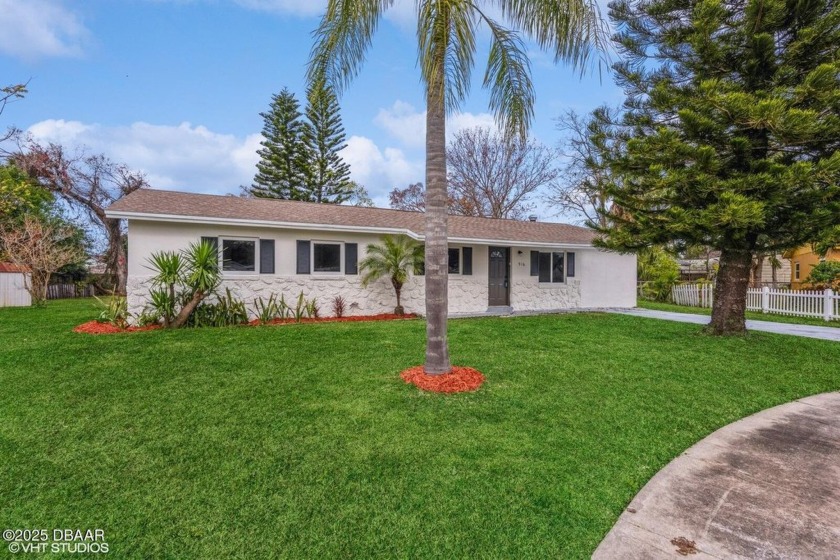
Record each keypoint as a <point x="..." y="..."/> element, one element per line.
<point x="767" y="486"/>
<point x="809" y="331"/>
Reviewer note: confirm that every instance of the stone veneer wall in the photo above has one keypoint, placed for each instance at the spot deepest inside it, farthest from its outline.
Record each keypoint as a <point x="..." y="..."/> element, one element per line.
<point x="466" y="294"/>
<point x="529" y="295"/>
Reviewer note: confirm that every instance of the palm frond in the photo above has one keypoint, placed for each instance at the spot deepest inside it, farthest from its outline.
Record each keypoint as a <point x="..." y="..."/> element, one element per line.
<point x="508" y="77"/>
<point x="446" y="35"/>
<point x="342" y="39"/>
<point x="573" y="30"/>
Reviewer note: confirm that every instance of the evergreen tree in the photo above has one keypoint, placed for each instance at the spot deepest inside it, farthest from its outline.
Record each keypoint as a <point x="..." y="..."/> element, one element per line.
<point x="733" y="108"/>
<point x="281" y="171"/>
<point x="328" y="176"/>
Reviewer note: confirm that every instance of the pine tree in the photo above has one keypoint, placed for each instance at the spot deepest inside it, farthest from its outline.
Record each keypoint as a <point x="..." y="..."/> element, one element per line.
<point x="328" y="176"/>
<point x="733" y="109"/>
<point x="281" y="171"/>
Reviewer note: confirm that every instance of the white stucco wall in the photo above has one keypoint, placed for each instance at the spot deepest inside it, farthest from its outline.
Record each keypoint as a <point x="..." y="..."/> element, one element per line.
<point x="602" y="279"/>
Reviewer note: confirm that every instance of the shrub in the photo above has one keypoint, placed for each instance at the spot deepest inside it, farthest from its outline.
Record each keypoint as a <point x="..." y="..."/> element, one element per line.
<point x="227" y="311"/>
<point x="115" y="311"/>
<point x="659" y="272"/>
<point x="825" y="275"/>
<point x="339" y="306"/>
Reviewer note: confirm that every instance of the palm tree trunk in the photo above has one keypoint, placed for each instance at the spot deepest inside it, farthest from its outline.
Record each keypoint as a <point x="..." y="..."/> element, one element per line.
<point x="398" y="310"/>
<point x="437" y="254"/>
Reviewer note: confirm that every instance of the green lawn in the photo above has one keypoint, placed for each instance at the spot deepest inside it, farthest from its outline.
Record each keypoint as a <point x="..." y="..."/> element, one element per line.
<point x="302" y="442"/>
<point x="750" y="314"/>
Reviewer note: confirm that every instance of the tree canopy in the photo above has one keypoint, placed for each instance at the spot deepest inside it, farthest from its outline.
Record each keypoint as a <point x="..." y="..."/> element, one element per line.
<point x="733" y="118"/>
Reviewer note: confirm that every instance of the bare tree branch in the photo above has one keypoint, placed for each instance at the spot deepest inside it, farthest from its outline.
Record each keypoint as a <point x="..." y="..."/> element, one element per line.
<point x="90" y="183"/>
<point x="42" y="248"/>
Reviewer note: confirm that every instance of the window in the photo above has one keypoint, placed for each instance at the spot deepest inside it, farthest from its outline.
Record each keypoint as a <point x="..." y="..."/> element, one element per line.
<point x="454" y="261"/>
<point x="239" y="255"/>
<point x="552" y="268"/>
<point x="326" y="257"/>
<point x="796" y="271"/>
<point x="557" y="267"/>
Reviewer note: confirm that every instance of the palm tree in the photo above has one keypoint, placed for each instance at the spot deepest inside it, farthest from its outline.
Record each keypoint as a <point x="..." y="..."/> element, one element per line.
<point x="446" y="35"/>
<point x="396" y="257"/>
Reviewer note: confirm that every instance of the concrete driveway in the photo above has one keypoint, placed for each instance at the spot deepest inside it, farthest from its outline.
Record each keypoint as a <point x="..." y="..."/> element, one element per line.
<point x="767" y="486"/>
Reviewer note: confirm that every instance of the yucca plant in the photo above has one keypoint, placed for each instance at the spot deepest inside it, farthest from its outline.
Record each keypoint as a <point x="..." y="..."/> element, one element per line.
<point x="395" y="258"/>
<point x="312" y="309"/>
<point x="115" y="311"/>
<point x="300" y="309"/>
<point x="266" y="311"/>
<point x="196" y="269"/>
<point x="169" y="268"/>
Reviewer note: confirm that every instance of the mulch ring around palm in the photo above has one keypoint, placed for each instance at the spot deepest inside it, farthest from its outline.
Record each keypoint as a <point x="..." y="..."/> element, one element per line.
<point x="459" y="380"/>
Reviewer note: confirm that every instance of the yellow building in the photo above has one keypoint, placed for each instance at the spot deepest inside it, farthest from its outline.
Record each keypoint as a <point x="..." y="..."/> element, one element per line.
<point x="802" y="260"/>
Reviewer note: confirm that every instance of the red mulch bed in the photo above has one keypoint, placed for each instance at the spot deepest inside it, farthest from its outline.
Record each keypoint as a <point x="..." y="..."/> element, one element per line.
<point x="349" y="319"/>
<point x="95" y="327"/>
<point x="459" y="380"/>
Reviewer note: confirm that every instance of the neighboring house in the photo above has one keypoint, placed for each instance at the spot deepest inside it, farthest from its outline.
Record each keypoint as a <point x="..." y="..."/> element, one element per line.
<point x="803" y="259"/>
<point x="769" y="275"/>
<point x="285" y="247"/>
<point x="13" y="282"/>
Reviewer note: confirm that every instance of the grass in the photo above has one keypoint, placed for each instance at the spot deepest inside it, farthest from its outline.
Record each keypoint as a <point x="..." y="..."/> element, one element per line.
<point x="757" y="316"/>
<point x="301" y="441"/>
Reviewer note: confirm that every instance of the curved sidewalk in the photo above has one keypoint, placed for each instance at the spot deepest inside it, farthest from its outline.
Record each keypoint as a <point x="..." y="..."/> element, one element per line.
<point x="767" y="486"/>
<point x="809" y="331"/>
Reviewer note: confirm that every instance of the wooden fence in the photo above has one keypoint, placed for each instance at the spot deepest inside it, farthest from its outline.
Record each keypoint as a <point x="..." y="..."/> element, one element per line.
<point x="66" y="291"/>
<point x="823" y="304"/>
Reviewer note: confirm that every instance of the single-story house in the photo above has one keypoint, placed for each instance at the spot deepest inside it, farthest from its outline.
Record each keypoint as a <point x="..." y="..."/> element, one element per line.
<point x="803" y="260"/>
<point x="287" y="247"/>
<point x="13" y="282"/>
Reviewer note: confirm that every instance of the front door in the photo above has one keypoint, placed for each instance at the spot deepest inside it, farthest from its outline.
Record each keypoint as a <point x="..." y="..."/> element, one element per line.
<point x="499" y="276"/>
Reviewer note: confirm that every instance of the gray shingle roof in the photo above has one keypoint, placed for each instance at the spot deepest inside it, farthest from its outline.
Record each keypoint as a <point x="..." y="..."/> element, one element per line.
<point x="201" y="206"/>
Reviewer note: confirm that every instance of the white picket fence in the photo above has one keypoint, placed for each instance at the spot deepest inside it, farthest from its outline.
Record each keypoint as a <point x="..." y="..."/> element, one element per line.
<point x="823" y="304"/>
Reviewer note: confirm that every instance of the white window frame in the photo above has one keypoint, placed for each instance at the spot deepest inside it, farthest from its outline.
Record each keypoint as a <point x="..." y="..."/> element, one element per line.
<point x="551" y="281"/>
<point x="312" y="270"/>
<point x="796" y="270"/>
<point x="221" y="250"/>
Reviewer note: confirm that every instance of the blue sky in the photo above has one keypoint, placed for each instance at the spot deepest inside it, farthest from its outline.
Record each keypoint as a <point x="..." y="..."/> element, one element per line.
<point x="175" y="87"/>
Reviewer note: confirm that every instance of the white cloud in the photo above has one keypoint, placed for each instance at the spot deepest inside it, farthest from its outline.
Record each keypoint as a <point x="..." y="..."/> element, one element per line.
<point x="32" y="29"/>
<point x="193" y="158"/>
<point x="379" y="170"/>
<point x="183" y="157"/>
<point x="408" y="125"/>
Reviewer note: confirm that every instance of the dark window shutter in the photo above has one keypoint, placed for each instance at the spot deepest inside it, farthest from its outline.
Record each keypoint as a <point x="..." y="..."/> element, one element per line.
<point x="266" y="256"/>
<point x="303" y="257"/>
<point x="214" y="242"/>
<point x="545" y="267"/>
<point x="351" y="258"/>
<point x="570" y="264"/>
<point x="466" y="267"/>
<point x="535" y="263"/>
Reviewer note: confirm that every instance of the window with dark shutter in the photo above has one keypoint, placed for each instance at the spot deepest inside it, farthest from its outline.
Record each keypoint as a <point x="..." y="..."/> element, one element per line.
<point x="213" y="242"/>
<point x="466" y="267"/>
<point x="570" y="265"/>
<point x="303" y="257"/>
<point x="545" y="267"/>
<point x="557" y="267"/>
<point x="535" y="263"/>
<point x="266" y="256"/>
<point x="351" y="258"/>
